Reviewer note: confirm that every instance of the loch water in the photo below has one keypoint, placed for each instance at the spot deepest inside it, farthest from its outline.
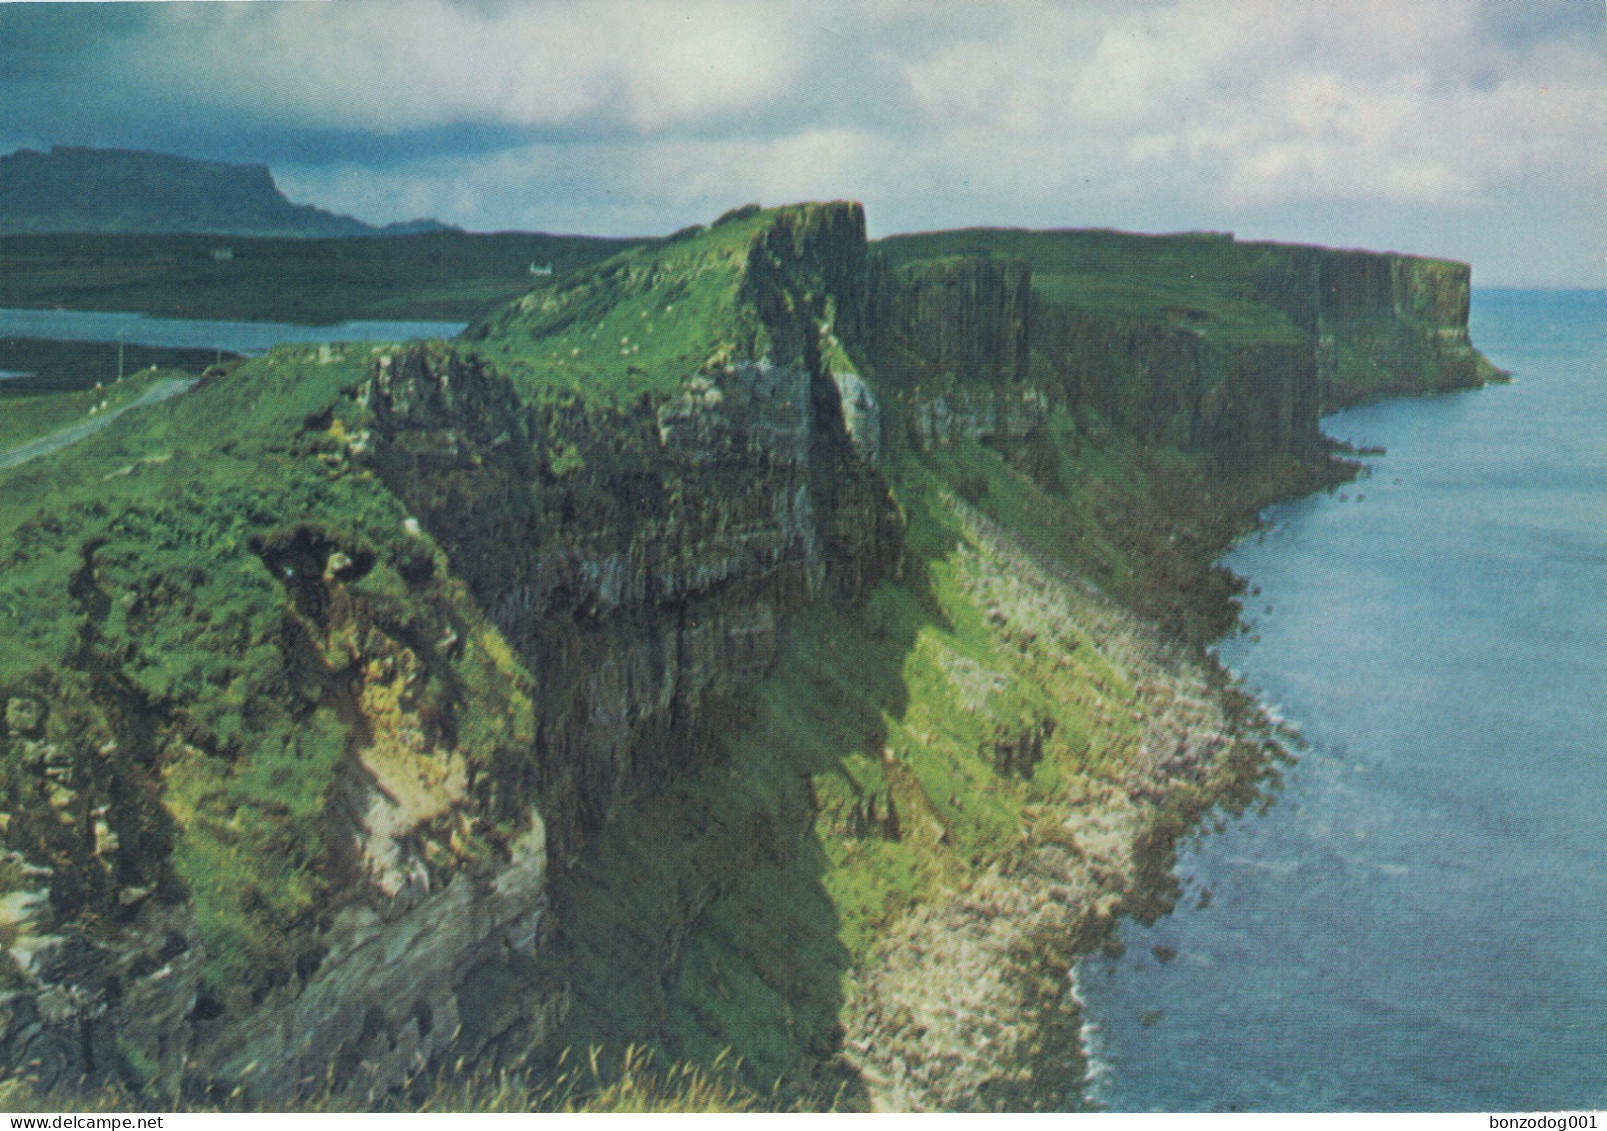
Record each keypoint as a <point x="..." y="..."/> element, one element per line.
<point x="1419" y="922"/>
<point x="248" y="338"/>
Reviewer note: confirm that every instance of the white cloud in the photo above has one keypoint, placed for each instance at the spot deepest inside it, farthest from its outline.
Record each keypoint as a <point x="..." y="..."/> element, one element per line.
<point x="720" y="60"/>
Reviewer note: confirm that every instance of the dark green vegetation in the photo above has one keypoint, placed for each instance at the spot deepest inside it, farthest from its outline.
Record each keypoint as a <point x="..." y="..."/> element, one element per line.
<point x="644" y="667"/>
<point x="1384" y="325"/>
<point x="74" y="189"/>
<point x="220" y="733"/>
<point x="443" y="276"/>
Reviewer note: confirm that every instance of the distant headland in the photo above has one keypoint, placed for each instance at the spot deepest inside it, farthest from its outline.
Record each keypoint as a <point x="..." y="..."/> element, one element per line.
<point x="81" y="190"/>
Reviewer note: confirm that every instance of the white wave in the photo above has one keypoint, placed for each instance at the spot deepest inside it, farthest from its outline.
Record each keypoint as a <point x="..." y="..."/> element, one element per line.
<point x="1098" y="1070"/>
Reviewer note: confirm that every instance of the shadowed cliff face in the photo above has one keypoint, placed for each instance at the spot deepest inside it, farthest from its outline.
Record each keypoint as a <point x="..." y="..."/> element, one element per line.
<point x="641" y="557"/>
<point x="983" y="356"/>
<point x="1386" y="325"/>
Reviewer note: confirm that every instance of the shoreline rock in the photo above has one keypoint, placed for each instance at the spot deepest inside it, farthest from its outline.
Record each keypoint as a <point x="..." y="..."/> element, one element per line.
<point x="967" y="1004"/>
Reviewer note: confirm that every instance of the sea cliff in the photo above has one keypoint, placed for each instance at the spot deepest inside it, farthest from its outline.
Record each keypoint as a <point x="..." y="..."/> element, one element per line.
<point x="766" y="645"/>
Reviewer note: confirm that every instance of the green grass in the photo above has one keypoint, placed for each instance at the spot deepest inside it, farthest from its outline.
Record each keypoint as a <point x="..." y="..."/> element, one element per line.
<point x="639" y="323"/>
<point x="449" y="276"/>
<point x="584" y="1084"/>
<point x="1201" y="281"/>
<point x="135" y="598"/>
<point x="58" y="367"/>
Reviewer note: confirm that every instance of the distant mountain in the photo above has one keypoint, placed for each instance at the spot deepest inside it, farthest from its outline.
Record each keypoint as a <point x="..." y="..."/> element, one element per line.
<point x="74" y="189"/>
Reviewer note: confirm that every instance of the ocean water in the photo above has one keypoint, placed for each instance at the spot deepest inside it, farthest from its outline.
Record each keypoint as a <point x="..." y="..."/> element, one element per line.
<point x="1420" y="920"/>
<point x="237" y="337"/>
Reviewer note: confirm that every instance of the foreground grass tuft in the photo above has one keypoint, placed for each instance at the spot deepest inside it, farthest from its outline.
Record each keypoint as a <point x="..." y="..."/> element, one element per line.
<point x="633" y="1085"/>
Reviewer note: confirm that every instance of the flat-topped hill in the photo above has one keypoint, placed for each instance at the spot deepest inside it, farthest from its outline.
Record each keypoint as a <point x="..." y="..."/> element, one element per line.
<point x="72" y="189"/>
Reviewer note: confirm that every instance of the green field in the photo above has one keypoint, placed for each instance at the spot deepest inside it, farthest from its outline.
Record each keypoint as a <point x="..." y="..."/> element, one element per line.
<point x="448" y="276"/>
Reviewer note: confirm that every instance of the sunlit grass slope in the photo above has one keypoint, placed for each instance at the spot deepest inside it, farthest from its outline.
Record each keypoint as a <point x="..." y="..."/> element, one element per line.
<point x="638" y="323"/>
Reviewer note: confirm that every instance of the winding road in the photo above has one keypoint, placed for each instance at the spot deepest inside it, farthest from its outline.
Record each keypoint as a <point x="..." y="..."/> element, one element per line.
<point x="161" y="391"/>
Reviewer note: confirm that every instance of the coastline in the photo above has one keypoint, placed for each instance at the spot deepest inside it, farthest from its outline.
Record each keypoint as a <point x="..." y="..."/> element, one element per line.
<point x="1169" y="810"/>
<point x="969" y="1002"/>
<point x="1384" y="634"/>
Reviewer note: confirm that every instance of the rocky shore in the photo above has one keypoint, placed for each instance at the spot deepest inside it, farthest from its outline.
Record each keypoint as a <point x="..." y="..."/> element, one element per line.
<point x="967" y="1004"/>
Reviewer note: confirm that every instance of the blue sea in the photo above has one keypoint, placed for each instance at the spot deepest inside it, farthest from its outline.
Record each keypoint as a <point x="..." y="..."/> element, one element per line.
<point x="1419" y="923"/>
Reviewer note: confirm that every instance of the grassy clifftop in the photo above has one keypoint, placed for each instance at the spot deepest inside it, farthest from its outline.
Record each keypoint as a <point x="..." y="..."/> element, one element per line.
<point x="186" y="597"/>
<point x="762" y="646"/>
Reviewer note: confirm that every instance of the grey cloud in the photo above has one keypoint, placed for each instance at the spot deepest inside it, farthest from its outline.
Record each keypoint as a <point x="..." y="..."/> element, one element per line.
<point x="1524" y="23"/>
<point x="47" y="41"/>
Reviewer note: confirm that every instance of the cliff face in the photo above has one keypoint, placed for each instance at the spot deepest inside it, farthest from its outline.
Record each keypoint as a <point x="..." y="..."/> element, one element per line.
<point x="1386" y="325"/>
<point x="655" y="664"/>
<point x="642" y="575"/>
<point x="1196" y="341"/>
<point x="986" y="357"/>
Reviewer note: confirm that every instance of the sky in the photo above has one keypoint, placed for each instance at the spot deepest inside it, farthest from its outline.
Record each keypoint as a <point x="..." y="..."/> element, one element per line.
<point x="1470" y="129"/>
